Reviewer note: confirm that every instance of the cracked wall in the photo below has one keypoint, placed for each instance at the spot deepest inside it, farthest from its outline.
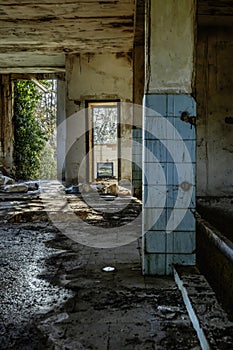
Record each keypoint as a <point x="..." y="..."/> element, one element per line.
<point x="97" y="77"/>
<point x="170" y="68"/>
<point x="214" y="96"/>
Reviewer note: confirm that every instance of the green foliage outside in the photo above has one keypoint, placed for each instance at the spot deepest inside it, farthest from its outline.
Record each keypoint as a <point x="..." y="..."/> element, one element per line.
<point x="48" y="168"/>
<point x="34" y="124"/>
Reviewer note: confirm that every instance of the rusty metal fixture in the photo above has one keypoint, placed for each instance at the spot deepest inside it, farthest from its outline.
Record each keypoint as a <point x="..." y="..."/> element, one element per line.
<point x="185" y="117"/>
<point x="185" y="186"/>
<point x="229" y="120"/>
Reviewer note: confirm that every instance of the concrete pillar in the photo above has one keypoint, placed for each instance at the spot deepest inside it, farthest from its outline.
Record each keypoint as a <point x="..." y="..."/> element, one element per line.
<point x="75" y="126"/>
<point x="6" y="122"/>
<point x="169" y="137"/>
<point x="138" y="93"/>
<point x="61" y="128"/>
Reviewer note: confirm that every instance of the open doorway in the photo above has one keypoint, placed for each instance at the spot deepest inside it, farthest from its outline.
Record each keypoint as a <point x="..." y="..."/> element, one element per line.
<point x="103" y="148"/>
<point x="35" y="112"/>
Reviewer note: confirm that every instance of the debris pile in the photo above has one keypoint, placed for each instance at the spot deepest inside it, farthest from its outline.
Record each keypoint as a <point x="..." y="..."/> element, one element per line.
<point x="6" y="180"/>
<point x="103" y="188"/>
<point x="9" y="185"/>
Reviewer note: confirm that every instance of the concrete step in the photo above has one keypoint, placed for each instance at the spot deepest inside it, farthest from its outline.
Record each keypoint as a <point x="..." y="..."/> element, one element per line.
<point x="210" y="321"/>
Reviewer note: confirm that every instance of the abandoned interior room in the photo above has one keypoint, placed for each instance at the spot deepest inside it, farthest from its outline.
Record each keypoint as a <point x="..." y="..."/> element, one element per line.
<point x="116" y="174"/>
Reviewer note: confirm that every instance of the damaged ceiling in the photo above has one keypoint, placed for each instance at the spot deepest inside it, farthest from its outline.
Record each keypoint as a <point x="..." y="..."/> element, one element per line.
<point x="35" y="35"/>
<point x="215" y="12"/>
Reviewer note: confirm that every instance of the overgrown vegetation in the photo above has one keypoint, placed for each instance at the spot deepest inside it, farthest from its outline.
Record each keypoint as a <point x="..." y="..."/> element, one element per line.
<point x="34" y="130"/>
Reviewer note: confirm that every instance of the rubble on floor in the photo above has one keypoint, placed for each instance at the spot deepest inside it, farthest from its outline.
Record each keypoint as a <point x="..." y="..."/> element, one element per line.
<point x="16" y="188"/>
<point x="56" y="295"/>
<point x="23" y="293"/>
<point x="216" y="331"/>
<point x="9" y="185"/>
<point x="5" y="180"/>
<point x="103" y="187"/>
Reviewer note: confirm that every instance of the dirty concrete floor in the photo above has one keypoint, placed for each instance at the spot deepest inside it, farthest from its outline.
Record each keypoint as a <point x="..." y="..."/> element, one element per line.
<point x="55" y="295"/>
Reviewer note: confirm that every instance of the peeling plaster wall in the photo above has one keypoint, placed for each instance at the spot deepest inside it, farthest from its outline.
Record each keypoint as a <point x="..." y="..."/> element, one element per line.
<point x="96" y="77"/>
<point x="170" y="62"/>
<point x="214" y="96"/>
<point x="6" y="126"/>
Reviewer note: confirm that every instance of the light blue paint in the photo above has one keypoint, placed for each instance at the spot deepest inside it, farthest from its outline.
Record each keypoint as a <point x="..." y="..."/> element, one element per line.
<point x="155" y="242"/>
<point x="187" y="130"/>
<point x="179" y="259"/>
<point x="154" y="264"/>
<point x="150" y="223"/>
<point x="137" y="160"/>
<point x="176" y="104"/>
<point x="155" y="196"/>
<point x="162" y="249"/>
<point x="155" y="149"/>
<point x="181" y="242"/>
<point x="188" y="223"/>
<point x="137" y="134"/>
<point x="170" y="105"/>
<point x="156" y="102"/>
<point x="172" y="193"/>
<point x="152" y="173"/>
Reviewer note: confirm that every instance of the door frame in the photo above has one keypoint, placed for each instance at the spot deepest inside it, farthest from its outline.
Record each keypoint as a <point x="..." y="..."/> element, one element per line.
<point x="89" y="135"/>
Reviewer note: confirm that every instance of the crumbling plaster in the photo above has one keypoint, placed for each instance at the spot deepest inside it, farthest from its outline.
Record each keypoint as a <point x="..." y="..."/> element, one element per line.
<point x="170" y="56"/>
<point x="214" y="97"/>
<point x="31" y="29"/>
<point x="97" y="77"/>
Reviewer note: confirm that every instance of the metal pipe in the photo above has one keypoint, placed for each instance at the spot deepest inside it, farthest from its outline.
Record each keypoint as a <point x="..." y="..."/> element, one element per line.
<point x="220" y="241"/>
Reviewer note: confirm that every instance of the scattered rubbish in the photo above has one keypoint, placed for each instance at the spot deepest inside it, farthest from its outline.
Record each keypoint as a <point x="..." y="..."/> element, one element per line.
<point x="108" y="269"/>
<point x="72" y="189"/>
<point x="116" y="190"/>
<point x="57" y="318"/>
<point x="22" y="188"/>
<point x="6" y="180"/>
<point x="115" y="217"/>
<point x="86" y="188"/>
<point x="112" y="189"/>
<point x="99" y="187"/>
<point x="165" y="308"/>
<point x="32" y="185"/>
<point x="8" y="184"/>
<point x="168" y="312"/>
<point x="123" y="191"/>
